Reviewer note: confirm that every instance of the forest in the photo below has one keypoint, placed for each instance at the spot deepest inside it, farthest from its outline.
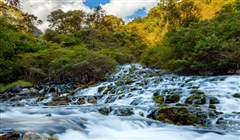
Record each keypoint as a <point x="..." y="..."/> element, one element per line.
<point x="82" y="48"/>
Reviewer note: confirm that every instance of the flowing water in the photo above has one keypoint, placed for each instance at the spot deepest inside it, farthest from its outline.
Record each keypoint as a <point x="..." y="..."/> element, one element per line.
<point x="127" y="97"/>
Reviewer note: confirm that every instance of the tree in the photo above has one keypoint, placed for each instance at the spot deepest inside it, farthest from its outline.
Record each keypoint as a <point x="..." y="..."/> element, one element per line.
<point x="111" y="23"/>
<point x="67" y="22"/>
<point x="94" y="19"/>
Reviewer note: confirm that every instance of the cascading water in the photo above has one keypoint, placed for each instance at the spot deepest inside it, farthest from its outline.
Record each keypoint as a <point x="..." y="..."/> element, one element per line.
<point x="119" y="108"/>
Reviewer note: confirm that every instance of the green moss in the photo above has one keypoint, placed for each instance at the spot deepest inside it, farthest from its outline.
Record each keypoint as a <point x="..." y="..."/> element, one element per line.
<point x="101" y="89"/>
<point x="159" y="99"/>
<point x="19" y="83"/>
<point x="172" y="98"/>
<point x="196" y="99"/>
<point x="236" y="95"/>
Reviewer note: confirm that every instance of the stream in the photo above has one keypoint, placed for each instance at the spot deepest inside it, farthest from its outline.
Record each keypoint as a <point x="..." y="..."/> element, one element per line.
<point x="119" y="108"/>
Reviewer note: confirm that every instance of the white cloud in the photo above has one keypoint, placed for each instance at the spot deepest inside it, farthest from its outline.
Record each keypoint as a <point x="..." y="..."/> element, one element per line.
<point x="119" y="8"/>
<point x="42" y="8"/>
<point x="125" y="8"/>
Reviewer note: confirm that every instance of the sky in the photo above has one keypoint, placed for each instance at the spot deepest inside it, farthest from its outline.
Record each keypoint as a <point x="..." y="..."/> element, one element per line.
<point x="125" y="9"/>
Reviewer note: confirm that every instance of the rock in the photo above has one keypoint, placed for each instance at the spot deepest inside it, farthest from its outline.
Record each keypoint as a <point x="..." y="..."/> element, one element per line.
<point x="101" y="89"/>
<point x="159" y="99"/>
<point x="33" y="91"/>
<point x="196" y="99"/>
<point x="92" y="100"/>
<point x="195" y="87"/>
<point x="183" y="104"/>
<point x="59" y="101"/>
<point x="81" y="100"/>
<point x="172" y="98"/>
<point x="105" y="110"/>
<point x="9" y="134"/>
<point x="178" y="116"/>
<point x="236" y="95"/>
<point x="33" y="136"/>
<point x="212" y="106"/>
<point x="15" y="89"/>
<point x="49" y="115"/>
<point x="110" y="99"/>
<point x="213" y="100"/>
<point x="123" y="111"/>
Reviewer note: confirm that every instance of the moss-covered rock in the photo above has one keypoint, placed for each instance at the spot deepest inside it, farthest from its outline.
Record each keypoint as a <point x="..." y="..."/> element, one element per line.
<point x="172" y="98"/>
<point x="196" y="99"/>
<point x="213" y="100"/>
<point x="178" y="116"/>
<point x="236" y="95"/>
<point x="159" y="99"/>
<point x="100" y="89"/>
<point x="59" y="101"/>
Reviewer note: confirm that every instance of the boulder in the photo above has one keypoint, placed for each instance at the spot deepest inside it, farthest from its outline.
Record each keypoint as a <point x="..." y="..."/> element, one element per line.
<point x="179" y="115"/>
<point x="172" y="98"/>
<point x="9" y="134"/>
<point x="33" y="136"/>
<point x="197" y="98"/>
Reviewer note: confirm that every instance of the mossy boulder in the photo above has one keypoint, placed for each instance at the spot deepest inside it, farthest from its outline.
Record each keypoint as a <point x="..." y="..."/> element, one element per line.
<point x="179" y="115"/>
<point x="159" y="99"/>
<point x="236" y="95"/>
<point x="213" y="100"/>
<point x="196" y="98"/>
<point x="172" y="98"/>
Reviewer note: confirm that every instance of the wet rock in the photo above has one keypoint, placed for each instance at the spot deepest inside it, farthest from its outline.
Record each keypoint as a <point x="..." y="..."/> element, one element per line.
<point x="33" y="91"/>
<point x="196" y="98"/>
<point x="105" y="110"/>
<point x="178" y="116"/>
<point x="15" y="89"/>
<point x="236" y="95"/>
<point x="59" y="101"/>
<point x="212" y="106"/>
<point x="111" y="99"/>
<point x="122" y="111"/>
<point x="49" y="115"/>
<point x="81" y="100"/>
<point x="136" y="101"/>
<point x="159" y="99"/>
<point x="213" y="100"/>
<point x="172" y="98"/>
<point x="181" y="104"/>
<point x="100" y="89"/>
<point x="33" y="136"/>
<point x="9" y="134"/>
<point x="92" y="100"/>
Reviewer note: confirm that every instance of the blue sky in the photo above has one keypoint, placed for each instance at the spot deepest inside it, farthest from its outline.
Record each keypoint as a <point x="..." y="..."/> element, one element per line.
<point x="95" y="3"/>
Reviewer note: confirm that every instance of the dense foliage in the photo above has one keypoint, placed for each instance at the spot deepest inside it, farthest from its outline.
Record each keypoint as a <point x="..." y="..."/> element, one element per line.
<point x="84" y="47"/>
<point x="203" y="48"/>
